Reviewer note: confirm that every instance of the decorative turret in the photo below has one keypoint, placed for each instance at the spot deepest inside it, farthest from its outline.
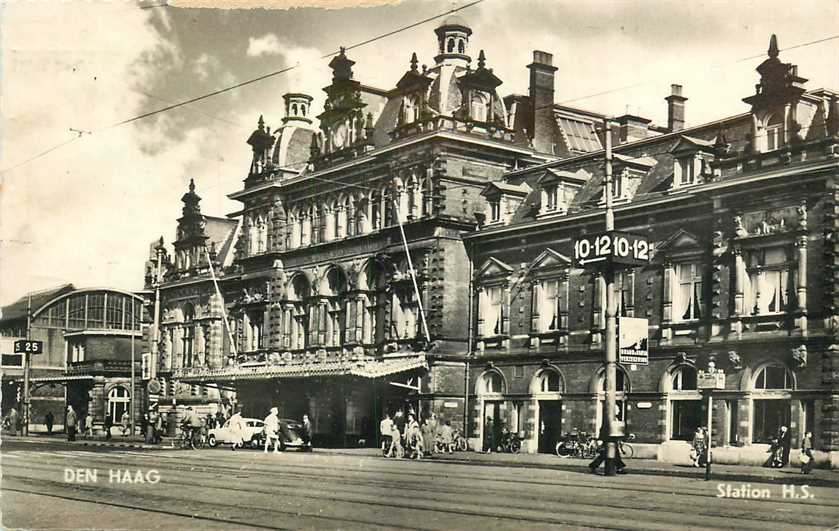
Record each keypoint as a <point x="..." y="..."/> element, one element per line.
<point x="341" y="66"/>
<point x="261" y="142"/>
<point x="192" y="239"/>
<point x="297" y="107"/>
<point x="453" y="41"/>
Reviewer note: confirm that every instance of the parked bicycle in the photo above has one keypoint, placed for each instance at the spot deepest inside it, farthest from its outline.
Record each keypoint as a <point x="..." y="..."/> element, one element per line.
<point x="626" y="448"/>
<point x="509" y="442"/>
<point x="577" y="444"/>
<point x="195" y="439"/>
<point x="459" y="441"/>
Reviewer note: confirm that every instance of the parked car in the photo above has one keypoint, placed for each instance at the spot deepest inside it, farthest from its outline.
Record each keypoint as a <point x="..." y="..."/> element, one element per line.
<point x="251" y="435"/>
<point x="290" y="436"/>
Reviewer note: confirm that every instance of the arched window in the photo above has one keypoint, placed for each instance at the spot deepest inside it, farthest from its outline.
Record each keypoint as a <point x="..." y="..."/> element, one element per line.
<point x="480" y="106"/>
<point x="376" y="210"/>
<point x="771" y="403"/>
<point x="450" y="45"/>
<point x="774" y="132"/>
<point x="461" y="46"/>
<point x="686" y="413"/>
<point x="362" y="219"/>
<point x="188" y="334"/>
<point x="491" y="383"/>
<point x="118" y="400"/>
<point x="547" y="381"/>
<point x="411" y="109"/>
<point x="303" y="110"/>
<point x="297" y="317"/>
<point x="294" y="109"/>
<point x="332" y="322"/>
<point x="349" y="216"/>
<point x="427" y="196"/>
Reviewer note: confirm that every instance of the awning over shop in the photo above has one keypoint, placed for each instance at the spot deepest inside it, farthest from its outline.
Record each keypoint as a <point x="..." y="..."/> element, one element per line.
<point x="363" y="368"/>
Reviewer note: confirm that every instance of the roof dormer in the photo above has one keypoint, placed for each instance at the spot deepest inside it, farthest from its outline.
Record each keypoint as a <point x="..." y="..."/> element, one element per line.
<point x="503" y="199"/>
<point x="558" y="189"/>
<point x="692" y="159"/>
<point x="627" y="173"/>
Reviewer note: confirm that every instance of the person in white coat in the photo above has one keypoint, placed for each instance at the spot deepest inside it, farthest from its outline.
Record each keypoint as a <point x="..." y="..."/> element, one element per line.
<point x="237" y="430"/>
<point x="272" y="431"/>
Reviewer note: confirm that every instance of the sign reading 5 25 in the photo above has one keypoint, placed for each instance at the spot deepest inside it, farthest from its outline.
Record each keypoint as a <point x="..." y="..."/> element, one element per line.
<point x="27" y="345"/>
<point x="615" y="247"/>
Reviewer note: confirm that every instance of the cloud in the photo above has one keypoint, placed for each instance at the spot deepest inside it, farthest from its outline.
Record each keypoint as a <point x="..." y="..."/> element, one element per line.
<point x="266" y="45"/>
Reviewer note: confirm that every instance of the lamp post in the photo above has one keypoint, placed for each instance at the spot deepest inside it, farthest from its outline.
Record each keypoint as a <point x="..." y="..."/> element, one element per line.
<point x="707" y="381"/>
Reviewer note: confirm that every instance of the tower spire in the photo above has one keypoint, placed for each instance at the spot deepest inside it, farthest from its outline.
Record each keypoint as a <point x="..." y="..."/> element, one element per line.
<point x="773" y="46"/>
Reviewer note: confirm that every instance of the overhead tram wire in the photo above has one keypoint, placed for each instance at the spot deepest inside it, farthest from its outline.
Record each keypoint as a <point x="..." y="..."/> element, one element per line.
<point x="246" y="82"/>
<point x="368" y="41"/>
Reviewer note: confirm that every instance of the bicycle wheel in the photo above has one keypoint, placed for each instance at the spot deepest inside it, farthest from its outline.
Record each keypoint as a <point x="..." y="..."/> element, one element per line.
<point x="462" y="445"/>
<point x="562" y="450"/>
<point x="627" y="451"/>
<point x="515" y="446"/>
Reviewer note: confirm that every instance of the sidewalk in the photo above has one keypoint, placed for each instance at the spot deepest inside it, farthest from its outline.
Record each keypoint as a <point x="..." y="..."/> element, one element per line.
<point x="117" y="441"/>
<point x="647" y="467"/>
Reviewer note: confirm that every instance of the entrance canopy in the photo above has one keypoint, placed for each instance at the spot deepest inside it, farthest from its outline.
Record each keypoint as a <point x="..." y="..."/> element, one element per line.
<point x="363" y="368"/>
<point x="64" y="378"/>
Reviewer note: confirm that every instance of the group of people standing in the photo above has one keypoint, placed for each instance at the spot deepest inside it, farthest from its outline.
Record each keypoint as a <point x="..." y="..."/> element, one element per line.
<point x="405" y="436"/>
<point x="780" y="449"/>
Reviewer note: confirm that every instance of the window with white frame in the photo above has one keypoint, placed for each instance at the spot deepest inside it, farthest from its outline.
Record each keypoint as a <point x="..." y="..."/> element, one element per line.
<point x="75" y="350"/>
<point x="491" y="311"/>
<point x="687" y="292"/>
<point x="688" y="170"/>
<point x="491" y="383"/>
<point x="480" y="106"/>
<point x="551" y="197"/>
<point x="617" y="185"/>
<point x="774" y="132"/>
<point x="494" y="205"/>
<point x="548" y="305"/>
<point x="549" y="381"/>
<point x="767" y="281"/>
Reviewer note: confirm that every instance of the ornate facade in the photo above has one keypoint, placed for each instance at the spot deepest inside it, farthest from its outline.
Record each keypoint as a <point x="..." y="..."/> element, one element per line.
<point x="741" y="213"/>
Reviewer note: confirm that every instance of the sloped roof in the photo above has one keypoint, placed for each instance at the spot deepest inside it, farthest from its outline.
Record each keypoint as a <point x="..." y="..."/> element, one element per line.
<point x="18" y="309"/>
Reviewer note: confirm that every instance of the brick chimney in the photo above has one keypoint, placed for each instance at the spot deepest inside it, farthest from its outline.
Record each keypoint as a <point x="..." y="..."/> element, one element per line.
<point x="542" y="74"/>
<point x="675" y="109"/>
<point x="632" y="128"/>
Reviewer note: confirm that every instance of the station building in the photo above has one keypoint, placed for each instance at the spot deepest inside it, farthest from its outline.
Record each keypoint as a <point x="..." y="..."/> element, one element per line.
<point x="741" y="214"/>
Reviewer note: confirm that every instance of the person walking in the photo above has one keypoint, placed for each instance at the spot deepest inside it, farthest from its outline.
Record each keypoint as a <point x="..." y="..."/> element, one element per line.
<point x="386" y="431"/>
<point x="602" y="451"/>
<point x="807" y="460"/>
<point x="699" y="447"/>
<point x="158" y="428"/>
<point x="413" y="436"/>
<point x="71" y="423"/>
<point x="489" y="435"/>
<point x="88" y="425"/>
<point x="49" y="420"/>
<point x="109" y="422"/>
<point x="12" y="419"/>
<point x="126" y="423"/>
<point x="307" y="430"/>
<point x="272" y="431"/>
<point x="446" y="437"/>
<point x="237" y="430"/>
<point x="784" y="442"/>
<point x="399" y="424"/>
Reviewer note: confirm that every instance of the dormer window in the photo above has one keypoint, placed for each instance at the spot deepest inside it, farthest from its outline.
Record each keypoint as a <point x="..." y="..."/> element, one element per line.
<point x="495" y="210"/>
<point x="480" y="106"/>
<point x="688" y="170"/>
<point x="617" y="187"/>
<point x="774" y="132"/>
<point x="551" y="197"/>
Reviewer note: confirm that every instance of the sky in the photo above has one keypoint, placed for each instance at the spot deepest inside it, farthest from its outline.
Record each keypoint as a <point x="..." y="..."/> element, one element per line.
<point x="72" y="72"/>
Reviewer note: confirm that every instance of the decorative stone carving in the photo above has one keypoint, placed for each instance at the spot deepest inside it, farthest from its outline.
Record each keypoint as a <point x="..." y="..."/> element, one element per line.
<point x="735" y="360"/>
<point x="801" y="210"/>
<point x="739" y="229"/>
<point x="799" y="357"/>
<point x="681" y="357"/>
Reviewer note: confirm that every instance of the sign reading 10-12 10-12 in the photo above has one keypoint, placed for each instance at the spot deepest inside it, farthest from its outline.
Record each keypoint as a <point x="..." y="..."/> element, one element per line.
<point x="612" y="247"/>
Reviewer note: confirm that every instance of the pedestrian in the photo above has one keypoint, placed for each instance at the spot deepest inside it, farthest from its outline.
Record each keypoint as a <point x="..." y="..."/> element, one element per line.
<point x="158" y="428"/>
<point x="49" y="420"/>
<point x="147" y="427"/>
<point x="699" y="446"/>
<point x="272" y="431"/>
<point x="12" y="420"/>
<point x="126" y="423"/>
<point x="109" y="422"/>
<point x="237" y="430"/>
<point x="220" y="419"/>
<point x="429" y="435"/>
<point x="88" y="425"/>
<point x="386" y="431"/>
<point x="446" y="437"/>
<point x="413" y="437"/>
<point x="807" y="460"/>
<point x="307" y="430"/>
<point x="489" y="435"/>
<point x="399" y="423"/>
<point x="70" y="423"/>
<point x="602" y="452"/>
<point x="784" y="441"/>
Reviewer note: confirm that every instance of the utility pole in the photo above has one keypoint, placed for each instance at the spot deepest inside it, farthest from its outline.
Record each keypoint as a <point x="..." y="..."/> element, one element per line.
<point x="611" y="319"/>
<point x="155" y="342"/>
<point x="26" y="362"/>
<point x="131" y="401"/>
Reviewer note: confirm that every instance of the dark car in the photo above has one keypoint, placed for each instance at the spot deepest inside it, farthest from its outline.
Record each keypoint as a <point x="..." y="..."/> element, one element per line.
<point x="290" y="436"/>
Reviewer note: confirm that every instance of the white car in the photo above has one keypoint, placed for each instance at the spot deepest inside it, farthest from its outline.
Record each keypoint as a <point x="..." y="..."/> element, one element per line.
<point x="253" y="429"/>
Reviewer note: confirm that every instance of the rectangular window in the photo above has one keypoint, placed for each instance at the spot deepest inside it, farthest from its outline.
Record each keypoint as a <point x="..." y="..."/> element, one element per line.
<point x="76" y="317"/>
<point x="769" y="416"/>
<point x="774" y="137"/>
<point x="495" y="211"/>
<point x="12" y="360"/>
<point x="96" y="310"/>
<point x="113" y="317"/>
<point x="687" y="292"/>
<point x="767" y="285"/>
<point x="491" y="311"/>
<point x="75" y="351"/>
<point x="549" y="306"/>
<point x="688" y="175"/>
<point x="617" y="186"/>
<point x="552" y="193"/>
